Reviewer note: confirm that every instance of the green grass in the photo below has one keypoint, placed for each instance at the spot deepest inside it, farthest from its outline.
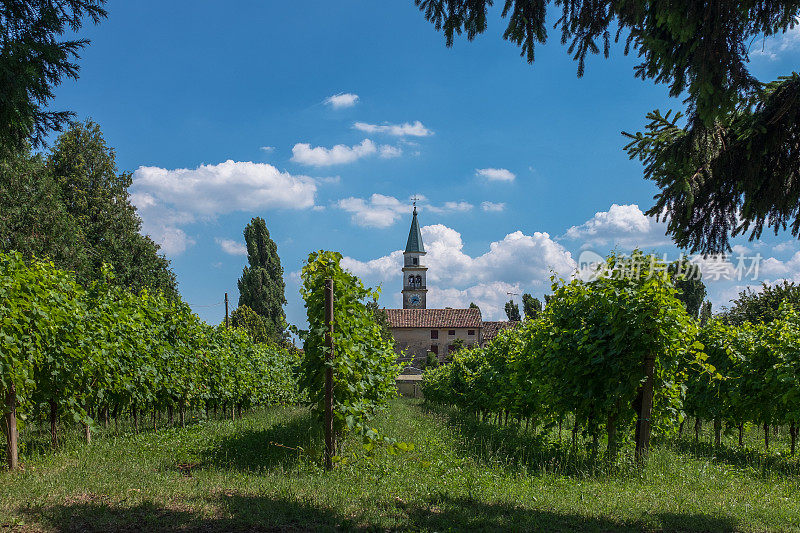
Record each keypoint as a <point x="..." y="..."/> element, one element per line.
<point x="261" y="473"/>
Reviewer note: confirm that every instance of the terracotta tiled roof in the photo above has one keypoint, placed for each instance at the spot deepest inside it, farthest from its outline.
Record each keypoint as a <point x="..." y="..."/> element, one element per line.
<point x="491" y="329"/>
<point x="434" y="318"/>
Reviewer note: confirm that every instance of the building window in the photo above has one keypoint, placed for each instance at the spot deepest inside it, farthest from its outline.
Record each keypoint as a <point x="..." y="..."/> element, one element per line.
<point x="418" y="280"/>
<point x="415" y="260"/>
<point x="435" y="349"/>
<point x="451" y="332"/>
<point x="434" y="334"/>
<point x="470" y="332"/>
<point x="411" y="280"/>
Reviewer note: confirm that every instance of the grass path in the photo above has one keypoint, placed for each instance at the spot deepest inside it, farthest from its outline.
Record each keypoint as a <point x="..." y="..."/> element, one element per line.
<point x="256" y="474"/>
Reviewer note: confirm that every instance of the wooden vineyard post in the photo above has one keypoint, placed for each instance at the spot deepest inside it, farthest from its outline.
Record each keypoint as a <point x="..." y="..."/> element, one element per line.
<point x="329" y="436"/>
<point x="646" y="410"/>
<point x="12" y="451"/>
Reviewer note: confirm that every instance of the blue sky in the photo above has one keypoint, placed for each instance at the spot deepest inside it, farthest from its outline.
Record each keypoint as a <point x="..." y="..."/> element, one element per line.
<point x="226" y="113"/>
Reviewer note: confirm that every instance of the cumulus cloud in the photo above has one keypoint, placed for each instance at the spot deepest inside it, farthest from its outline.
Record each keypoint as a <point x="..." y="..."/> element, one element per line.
<point x="319" y="156"/>
<point x="342" y="100"/>
<point x="495" y="174"/>
<point x="168" y="199"/>
<point x="622" y="225"/>
<point x="516" y="262"/>
<point x="415" y="129"/>
<point x="232" y="247"/>
<point x="379" y="211"/>
<point x="494" y="207"/>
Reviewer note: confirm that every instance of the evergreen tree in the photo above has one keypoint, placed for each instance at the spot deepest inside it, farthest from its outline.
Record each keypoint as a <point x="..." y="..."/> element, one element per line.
<point x="512" y="311"/>
<point x="473" y="305"/>
<point x="98" y="201"/>
<point x="705" y="313"/>
<point x="261" y="287"/>
<point x="531" y="306"/>
<point x="33" y="61"/>
<point x="731" y="167"/>
<point x="687" y="278"/>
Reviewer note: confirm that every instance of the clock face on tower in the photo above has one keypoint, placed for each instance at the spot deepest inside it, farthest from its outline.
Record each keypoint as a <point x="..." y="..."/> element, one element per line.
<point x="414" y="300"/>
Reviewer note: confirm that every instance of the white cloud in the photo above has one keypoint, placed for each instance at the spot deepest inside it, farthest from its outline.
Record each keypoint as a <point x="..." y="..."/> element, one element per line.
<point x="517" y="262"/>
<point x="342" y="100"/>
<point x="415" y="129"/>
<point x="232" y="247"/>
<point x="450" y="207"/>
<point x="381" y="211"/>
<point x="268" y="148"/>
<point x="777" y="46"/>
<point x="494" y="207"/>
<point x="387" y="152"/>
<point x="622" y="225"/>
<point x="167" y="199"/>
<point x="495" y="174"/>
<point x="785" y="246"/>
<point x="319" y="156"/>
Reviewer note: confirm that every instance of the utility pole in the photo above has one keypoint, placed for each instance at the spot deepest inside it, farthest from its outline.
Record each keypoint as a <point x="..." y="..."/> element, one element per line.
<point x="227" y="325"/>
<point x="330" y="443"/>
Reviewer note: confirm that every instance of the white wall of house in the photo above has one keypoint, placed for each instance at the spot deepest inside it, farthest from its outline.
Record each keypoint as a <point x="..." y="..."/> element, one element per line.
<point x="417" y="342"/>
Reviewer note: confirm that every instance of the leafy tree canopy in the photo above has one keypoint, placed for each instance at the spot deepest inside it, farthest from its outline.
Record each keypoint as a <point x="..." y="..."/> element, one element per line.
<point x="531" y="306"/>
<point x="34" y="59"/>
<point x="762" y="306"/>
<point x="512" y="311"/>
<point x="72" y="207"/>
<point x="96" y="197"/>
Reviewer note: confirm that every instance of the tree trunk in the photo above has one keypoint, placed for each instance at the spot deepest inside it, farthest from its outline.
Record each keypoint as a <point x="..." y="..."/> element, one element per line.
<point x="105" y="417"/>
<point x="12" y="449"/>
<point x="182" y="413"/>
<point x="793" y="435"/>
<point x="53" y="424"/>
<point x="717" y="432"/>
<point x="680" y="428"/>
<point x="698" y="425"/>
<point x="611" y="428"/>
<point x="766" y="436"/>
<point x="644" y="422"/>
<point x="135" y="419"/>
<point x="575" y="434"/>
<point x="239" y="411"/>
<point x="741" y="434"/>
<point x="170" y="414"/>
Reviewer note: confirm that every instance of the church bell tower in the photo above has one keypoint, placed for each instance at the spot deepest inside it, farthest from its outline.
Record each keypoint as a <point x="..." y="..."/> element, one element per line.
<point x="414" y="287"/>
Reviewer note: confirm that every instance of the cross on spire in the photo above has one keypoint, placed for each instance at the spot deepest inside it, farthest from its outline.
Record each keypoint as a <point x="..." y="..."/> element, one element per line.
<point x="414" y="201"/>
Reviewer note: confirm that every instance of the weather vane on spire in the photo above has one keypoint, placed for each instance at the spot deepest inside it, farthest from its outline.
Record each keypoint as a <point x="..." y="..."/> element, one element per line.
<point x="414" y="201"/>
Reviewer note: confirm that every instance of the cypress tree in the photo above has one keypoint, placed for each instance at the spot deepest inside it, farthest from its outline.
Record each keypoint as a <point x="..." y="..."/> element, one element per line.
<point x="261" y="287"/>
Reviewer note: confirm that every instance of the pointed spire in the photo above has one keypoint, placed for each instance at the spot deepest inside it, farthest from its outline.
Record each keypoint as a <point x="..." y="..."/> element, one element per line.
<point x="414" y="243"/>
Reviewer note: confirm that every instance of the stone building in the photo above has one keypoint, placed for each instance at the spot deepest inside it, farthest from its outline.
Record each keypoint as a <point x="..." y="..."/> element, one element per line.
<point x="418" y="330"/>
